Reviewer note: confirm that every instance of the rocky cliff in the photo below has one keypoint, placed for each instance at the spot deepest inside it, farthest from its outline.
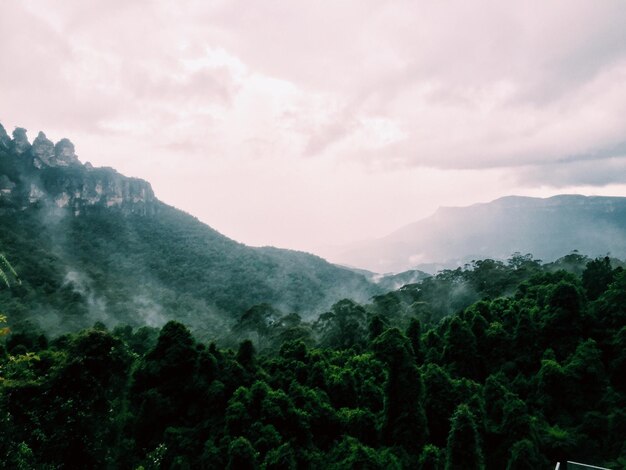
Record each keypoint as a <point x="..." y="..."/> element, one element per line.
<point x="47" y="174"/>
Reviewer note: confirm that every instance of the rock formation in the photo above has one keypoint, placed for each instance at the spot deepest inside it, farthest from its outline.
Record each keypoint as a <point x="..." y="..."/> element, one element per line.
<point x="47" y="174"/>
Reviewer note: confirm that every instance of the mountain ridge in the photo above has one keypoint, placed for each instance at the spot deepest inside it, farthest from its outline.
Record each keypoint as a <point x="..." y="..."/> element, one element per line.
<point x="94" y="245"/>
<point x="546" y="227"/>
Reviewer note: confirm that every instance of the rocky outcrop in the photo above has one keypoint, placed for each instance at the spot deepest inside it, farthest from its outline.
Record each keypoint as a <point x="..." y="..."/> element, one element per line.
<point x="45" y="153"/>
<point x="50" y="175"/>
<point x="42" y="150"/>
<point x="20" y="144"/>
<point x="100" y="187"/>
<point x="64" y="153"/>
<point x="5" y="140"/>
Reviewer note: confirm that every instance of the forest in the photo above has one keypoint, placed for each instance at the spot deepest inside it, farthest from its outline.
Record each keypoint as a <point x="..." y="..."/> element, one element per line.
<point x="497" y="365"/>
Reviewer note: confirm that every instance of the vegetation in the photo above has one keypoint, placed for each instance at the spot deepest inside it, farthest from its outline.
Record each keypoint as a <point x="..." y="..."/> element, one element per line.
<point x="139" y="261"/>
<point x="528" y="371"/>
<point x="145" y="340"/>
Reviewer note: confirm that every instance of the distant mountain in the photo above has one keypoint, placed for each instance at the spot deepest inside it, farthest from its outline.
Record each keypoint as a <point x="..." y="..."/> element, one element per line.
<point x="93" y="245"/>
<point x="548" y="228"/>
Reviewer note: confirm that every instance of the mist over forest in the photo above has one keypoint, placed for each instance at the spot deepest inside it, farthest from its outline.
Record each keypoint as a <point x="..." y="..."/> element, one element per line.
<point x="134" y="336"/>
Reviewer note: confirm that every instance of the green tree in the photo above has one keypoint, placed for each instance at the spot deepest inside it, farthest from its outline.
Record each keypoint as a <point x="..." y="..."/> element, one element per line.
<point x="431" y="458"/>
<point x="618" y="363"/>
<point x="460" y="350"/>
<point x="241" y="455"/>
<point x="404" y="418"/>
<point x="464" y="449"/>
<point x="245" y="354"/>
<point x="610" y="308"/>
<point x="344" y="326"/>
<point x="350" y="453"/>
<point x="524" y="456"/>
<point x="257" y="319"/>
<point x="169" y="385"/>
<point x="376" y="327"/>
<point x="439" y="402"/>
<point x="597" y="276"/>
<point x="414" y="333"/>
<point x="280" y="458"/>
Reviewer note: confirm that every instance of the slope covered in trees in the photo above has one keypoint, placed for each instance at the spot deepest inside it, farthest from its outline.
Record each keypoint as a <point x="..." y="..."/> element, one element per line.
<point x="92" y="245"/>
<point x="529" y="373"/>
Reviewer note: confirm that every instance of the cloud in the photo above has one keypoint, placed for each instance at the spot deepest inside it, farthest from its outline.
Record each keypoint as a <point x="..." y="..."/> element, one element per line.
<point x="469" y="85"/>
<point x="589" y="172"/>
<point x="359" y="94"/>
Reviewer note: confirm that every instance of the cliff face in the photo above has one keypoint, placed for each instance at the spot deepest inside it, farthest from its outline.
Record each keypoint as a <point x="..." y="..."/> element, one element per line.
<point x="51" y="175"/>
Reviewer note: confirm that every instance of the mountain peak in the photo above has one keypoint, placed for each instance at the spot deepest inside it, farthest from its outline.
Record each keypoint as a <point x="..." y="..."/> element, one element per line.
<point x="44" y="173"/>
<point x="20" y="142"/>
<point x="5" y="140"/>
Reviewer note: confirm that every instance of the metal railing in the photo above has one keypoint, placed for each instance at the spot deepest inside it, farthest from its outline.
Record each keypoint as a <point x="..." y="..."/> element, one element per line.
<point x="577" y="465"/>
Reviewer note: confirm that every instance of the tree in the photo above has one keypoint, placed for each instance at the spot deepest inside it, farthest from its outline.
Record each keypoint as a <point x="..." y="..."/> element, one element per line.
<point x="597" y="276"/>
<point x="430" y="458"/>
<point x="351" y="453"/>
<point x="344" y="326"/>
<point x="405" y="421"/>
<point x="562" y="322"/>
<point x="280" y="458"/>
<point x="460" y="350"/>
<point x="245" y="354"/>
<point x="241" y="455"/>
<point x="439" y="403"/>
<point x="611" y="305"/>
<point x="463" y="450"/>
<point x="524" y="456"/>
<point x="84" y="395"/>
<point x="414" y="333"/>
<point x="168" y="383"/>
<point x="376" y="327"/>
<point x="257" y="319"/>
<point x="618" y="364"/>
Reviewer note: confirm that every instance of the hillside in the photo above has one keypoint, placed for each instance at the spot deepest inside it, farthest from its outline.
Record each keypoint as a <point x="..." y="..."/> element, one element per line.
<point x="93" y="245"/>
<point x="548" y="228"/>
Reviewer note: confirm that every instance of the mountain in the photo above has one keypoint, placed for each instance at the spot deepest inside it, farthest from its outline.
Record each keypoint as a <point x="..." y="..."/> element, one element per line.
<point x="91" y="245"/>
<point x="548" y="228"/>
<point x="392" y="281"/>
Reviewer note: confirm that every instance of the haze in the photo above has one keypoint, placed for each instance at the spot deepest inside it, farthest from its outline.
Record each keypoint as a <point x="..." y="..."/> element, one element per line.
<point x="311" y="125"/>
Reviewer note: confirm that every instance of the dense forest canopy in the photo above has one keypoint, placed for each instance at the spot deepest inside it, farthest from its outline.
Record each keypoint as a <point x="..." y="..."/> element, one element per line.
<point x="498" y="365"/>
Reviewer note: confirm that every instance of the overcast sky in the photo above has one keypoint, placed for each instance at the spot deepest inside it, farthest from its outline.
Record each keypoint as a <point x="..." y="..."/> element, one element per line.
<point x="308" y="124"/>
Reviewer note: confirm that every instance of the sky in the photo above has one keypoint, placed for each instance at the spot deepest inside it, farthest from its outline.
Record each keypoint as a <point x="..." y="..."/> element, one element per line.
<point x="314" y="125"/>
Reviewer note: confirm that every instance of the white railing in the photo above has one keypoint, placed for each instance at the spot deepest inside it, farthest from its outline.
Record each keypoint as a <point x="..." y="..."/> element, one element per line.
<point x="578" y="464"/>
